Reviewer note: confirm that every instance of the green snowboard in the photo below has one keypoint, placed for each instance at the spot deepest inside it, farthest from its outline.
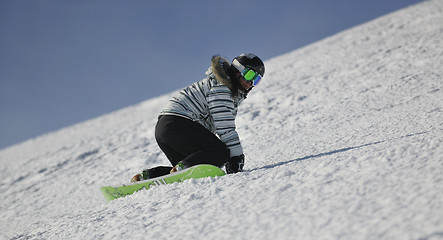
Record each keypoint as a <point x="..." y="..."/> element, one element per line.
<point x="198" y="171"/>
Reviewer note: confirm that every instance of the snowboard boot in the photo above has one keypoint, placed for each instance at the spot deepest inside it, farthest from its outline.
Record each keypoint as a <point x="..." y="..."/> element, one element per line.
<point x="151" y="173"/>
<point x="141" y="176"/>
<point x="180" y="166"/>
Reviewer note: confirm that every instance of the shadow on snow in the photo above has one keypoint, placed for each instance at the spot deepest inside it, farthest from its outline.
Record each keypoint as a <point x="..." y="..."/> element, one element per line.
<point x="331" y="152"/>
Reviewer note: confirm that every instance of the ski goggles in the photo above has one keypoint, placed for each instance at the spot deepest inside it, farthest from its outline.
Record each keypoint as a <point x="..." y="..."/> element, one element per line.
<point x="248" y="74"/>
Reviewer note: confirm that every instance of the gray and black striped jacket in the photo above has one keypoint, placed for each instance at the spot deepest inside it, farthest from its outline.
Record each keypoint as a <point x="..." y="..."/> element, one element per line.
<point x="211" y="103"/>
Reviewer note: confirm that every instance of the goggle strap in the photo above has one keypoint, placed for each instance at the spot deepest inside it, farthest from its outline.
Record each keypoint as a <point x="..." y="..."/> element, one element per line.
<point x="238" y="65"/>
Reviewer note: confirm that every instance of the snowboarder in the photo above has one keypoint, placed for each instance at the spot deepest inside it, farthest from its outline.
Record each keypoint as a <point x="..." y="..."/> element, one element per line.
<point x="188" y="126"/>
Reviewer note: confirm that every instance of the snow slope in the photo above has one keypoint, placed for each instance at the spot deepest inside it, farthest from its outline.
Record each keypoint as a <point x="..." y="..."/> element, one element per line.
<point x="343" y="140"/>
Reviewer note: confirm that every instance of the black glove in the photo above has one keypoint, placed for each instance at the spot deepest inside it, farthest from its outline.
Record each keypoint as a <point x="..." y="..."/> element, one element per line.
<point x="235" y="164"/>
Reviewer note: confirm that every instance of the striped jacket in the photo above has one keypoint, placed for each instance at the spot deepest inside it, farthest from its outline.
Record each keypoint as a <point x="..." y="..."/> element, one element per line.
<point x="213" y="103"/>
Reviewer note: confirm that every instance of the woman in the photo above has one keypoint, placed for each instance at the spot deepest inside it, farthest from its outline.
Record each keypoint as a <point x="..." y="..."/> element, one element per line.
<point x="198" y="125"/>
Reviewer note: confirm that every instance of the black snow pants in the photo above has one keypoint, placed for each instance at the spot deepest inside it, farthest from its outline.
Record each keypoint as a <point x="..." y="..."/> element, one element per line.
<point x="183" y="140"/>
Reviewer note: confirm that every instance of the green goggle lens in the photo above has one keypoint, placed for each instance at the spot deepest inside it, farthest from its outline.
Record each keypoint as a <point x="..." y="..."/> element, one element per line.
<point x="251" y="75"/>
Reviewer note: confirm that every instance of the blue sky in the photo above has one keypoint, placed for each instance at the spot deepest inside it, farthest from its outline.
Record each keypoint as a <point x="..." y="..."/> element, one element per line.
<point x="63" y="62"/>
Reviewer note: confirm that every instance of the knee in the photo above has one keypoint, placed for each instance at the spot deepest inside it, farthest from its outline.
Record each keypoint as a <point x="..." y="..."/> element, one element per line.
<point x="222" y="156"/>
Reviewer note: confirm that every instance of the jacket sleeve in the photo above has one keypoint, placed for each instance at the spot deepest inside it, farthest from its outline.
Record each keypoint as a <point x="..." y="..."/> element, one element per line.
<point x="223" y="112"/>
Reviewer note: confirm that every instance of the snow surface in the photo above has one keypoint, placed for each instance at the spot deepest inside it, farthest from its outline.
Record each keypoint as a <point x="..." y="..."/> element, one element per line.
<point x="343" y="140"/>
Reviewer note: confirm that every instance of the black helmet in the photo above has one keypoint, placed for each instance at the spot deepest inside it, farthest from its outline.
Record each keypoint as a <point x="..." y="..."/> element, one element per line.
<point x="250" y="60"/>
